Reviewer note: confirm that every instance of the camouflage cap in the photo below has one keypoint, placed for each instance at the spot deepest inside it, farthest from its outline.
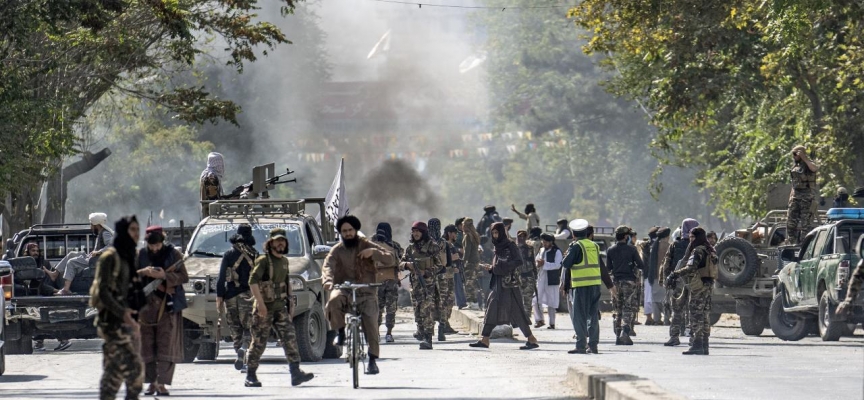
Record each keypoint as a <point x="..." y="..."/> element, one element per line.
<point x="623" y="230"/>
<point x="278" y="233"/>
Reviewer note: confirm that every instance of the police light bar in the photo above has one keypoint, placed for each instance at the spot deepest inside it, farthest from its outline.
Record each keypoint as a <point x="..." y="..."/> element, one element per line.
<point x="836" y="214"/>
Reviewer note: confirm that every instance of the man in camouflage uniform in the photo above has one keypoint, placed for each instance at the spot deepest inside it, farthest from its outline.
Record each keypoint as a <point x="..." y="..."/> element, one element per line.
<point x="459" y="278"/>
<point x="855" y="284"/>
<point x="799" y="217"/>
<point x="471" y="246"/>
<point x="117" y="295"/>
<point x="624" y="262"/>
<point x="444" y="297"/>
<point x="455" y="266"/>
<point x="699" y="273"/>
<point x="676" y="289"/>
<point x="388" y="293"/>
<point x="528" y="272"/>
<point x="423" y="259"/>
<point x="270" y="285"/>
<point x="232" y="290"/>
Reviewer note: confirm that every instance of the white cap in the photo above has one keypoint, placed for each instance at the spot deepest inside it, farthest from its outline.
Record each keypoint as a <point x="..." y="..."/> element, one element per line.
<point x="578" y="225"/>
<point x="100" y="219"/>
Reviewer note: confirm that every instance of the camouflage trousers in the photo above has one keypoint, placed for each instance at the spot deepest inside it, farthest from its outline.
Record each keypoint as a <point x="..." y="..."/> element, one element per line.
<point x="624" y="301"/>
<point x="700" y="308"/>
<point x="528" y="287"/>
<point x="425" y="308"/>
<point x="280" y="321"/>
<point x="388" y="295"/>
<point x="799" y="219"/>
<point x="416" y="295"/>
<point x="121" y="362"/>
<point x="677" y="298"/>
<point x="238" y="312"/>
<point x="445" y="297"/>
<point x="472" y="283"/>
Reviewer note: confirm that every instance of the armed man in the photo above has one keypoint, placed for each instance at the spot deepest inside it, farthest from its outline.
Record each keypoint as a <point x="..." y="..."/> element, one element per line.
<point x="800" y="215"/>
<point x="423" y="259"/>
<point x="270" y="285"/>
<point x="624" y="262"/>
<point x="676" y="291"/>
<point x="388" y="293"/>
<point x="698" y="273"/>
<point x="341" y="266"/>
<point x="232" y="290"/>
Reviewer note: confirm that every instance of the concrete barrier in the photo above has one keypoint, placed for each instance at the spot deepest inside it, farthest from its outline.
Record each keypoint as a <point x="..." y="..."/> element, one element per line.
<point x="602" y="383"/>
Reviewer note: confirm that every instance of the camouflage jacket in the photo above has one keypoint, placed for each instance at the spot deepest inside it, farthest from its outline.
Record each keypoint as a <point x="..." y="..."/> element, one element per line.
<point x="856" y="282"/>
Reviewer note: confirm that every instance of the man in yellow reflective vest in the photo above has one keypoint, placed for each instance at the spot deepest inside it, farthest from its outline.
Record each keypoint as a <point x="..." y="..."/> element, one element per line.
<point x="583" y="272"/>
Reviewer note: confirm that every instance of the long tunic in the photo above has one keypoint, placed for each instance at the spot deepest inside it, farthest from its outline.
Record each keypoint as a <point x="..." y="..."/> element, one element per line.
<point x="162" y="337"/>
<point x="547" y="294"/>
<point x="504" y="305"/>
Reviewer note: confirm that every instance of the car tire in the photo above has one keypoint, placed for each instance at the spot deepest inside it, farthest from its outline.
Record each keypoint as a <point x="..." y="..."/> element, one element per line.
<point x="787" y="326"/>
<point x="208" y="351"/>
<point x="737" y="262"/>
<point x="753" y="325"/>
<point x="829" y="331"/>
<point x="311" y="328"/>
<point x="714" y="318"/>
<point x="24" y="345"/>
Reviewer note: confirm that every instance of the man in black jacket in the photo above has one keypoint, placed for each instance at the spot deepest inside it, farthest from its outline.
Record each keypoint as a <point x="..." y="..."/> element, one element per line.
<point x="232" y="290"/>
<point x="623" y="260"/>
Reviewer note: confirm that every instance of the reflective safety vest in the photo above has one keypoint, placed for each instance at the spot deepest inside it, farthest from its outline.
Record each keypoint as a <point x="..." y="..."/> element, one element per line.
<point x="587" y="271"/>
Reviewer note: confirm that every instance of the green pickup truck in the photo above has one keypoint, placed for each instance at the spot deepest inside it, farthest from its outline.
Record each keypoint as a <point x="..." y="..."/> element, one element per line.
<point x="815" y="278"/>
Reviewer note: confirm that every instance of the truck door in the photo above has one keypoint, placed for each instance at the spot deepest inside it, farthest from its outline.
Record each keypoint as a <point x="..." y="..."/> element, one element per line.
<point x="808" y="277"/>
<point x="799" y="272"/>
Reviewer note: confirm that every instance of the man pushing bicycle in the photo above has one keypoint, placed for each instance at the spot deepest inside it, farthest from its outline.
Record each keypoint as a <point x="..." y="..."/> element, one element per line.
<point x="353" y="260"/>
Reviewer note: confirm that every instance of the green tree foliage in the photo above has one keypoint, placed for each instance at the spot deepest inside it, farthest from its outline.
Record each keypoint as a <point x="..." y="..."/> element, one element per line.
<point x="733" y="86"/>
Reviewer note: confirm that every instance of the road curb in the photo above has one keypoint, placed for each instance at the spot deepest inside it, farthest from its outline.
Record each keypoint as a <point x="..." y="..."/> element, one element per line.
<point x="602" y="383"/>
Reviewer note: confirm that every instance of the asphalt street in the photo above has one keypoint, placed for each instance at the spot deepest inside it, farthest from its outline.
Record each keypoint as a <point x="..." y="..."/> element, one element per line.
<point x="739" y="367"/>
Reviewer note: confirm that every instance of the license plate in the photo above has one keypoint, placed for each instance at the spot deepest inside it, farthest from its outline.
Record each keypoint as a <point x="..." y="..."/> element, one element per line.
<point x="63" y="315"/>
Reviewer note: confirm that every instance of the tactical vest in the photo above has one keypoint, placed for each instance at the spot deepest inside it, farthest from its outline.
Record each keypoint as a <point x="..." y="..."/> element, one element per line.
<point x="587" y="271"/>
<point x="802" y="177"/>
<point x="710" y="269"/>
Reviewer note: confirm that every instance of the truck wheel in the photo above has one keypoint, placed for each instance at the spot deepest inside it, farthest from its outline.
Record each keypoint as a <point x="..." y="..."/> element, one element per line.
<point x="208" y="351"/>
<point x="787" y="326"/>
<point x="753" y="325"/>
<point x="829" y="331"/>
<point x="311" y="330"/>
<point x="24" y="345"/>
<point x="3" y="354"/>
<point x="332" y="351"/>
<point x="714" y="318"/>
<point x="738" y="262"/>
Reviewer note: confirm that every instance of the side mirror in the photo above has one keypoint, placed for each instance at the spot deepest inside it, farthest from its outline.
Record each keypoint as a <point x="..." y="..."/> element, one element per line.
<point x="789" y="254"/>
<point x="320" y="252"/>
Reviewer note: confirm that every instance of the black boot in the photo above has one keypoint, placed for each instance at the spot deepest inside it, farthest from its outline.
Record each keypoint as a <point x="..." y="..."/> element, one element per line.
<point x="673" y="341"/>
<point x="297" y="374"/>
<point x="705" y="345"/>
<point x="372" y="367"/>
<point x="441" y="337"/>
<point x="340" y="337"/>
<point x="696" y="349"/>
<point x="632" y="331"/>
<point x="251" y="378"/>
<point x="624" y="338"/>
<point x="426" y="344"/>
<point x="241" y="359"/>
<point x="448" y="330"/>
<point x="418" y="334"/>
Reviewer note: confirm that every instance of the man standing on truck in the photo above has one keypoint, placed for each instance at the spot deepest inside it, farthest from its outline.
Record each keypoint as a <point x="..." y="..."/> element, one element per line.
<point x="676" y="291"/>
<point x="270" y="285"/>
<point x="799" y="216"/>
<point x="211" y="181"/>
<point x="75" y="262"/>
<point x="353" y="260"/>
<point x="232" y="290"/>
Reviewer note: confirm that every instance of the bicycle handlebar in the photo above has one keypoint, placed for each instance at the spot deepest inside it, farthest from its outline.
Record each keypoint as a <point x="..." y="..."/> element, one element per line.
<point x="351" y="286"/>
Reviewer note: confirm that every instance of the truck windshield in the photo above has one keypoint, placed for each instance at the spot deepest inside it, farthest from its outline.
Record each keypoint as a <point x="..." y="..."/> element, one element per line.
<point x="214" y="239"/>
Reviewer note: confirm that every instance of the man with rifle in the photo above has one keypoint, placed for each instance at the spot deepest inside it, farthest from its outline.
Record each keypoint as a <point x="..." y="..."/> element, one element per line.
<point x="423" y="259"/>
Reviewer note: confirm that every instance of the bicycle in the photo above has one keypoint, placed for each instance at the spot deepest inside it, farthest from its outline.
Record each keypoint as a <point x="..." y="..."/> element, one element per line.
<point x="355" y="343"/>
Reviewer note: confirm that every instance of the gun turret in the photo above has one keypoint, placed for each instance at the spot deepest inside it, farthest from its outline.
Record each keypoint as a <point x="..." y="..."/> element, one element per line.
<point x="263" y="180"/>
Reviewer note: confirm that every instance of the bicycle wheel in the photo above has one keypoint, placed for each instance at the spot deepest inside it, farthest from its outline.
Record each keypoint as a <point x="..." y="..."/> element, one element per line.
<point x="355" y="354"/>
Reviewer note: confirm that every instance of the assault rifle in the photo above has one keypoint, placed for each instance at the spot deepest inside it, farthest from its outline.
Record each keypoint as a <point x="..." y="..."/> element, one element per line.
<point x="244" y="191"/>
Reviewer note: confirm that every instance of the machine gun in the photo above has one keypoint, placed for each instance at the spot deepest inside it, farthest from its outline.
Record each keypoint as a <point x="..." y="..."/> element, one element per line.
<point x="263" y="180"/>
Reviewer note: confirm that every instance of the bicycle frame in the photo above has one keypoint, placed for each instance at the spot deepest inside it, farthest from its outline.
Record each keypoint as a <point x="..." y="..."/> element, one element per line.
<point x="355" y="343"/>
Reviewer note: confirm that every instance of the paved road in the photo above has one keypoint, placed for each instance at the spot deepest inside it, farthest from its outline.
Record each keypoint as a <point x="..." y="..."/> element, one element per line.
<point x="451" y="371"/>
<point x="740" y="367"/>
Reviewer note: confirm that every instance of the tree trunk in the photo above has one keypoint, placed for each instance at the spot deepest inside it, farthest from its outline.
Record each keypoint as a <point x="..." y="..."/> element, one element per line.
<point x="55" y="211"/>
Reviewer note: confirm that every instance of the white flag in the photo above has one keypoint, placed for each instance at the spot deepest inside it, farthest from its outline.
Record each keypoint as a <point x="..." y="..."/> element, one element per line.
<point x="336" y="203"/>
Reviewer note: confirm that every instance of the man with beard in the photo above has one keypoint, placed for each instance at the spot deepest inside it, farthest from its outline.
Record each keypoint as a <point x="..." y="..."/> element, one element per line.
<point x="456" y="268"/>
<point x="117" y="295"/>
<point x="548" y="260"/>
<point x="444" y="299"/>
<point x="388" y="293"/>
<point x="45" y="289"/>
<point x="624" y="261"/>
<point x="490" y="216"/>
<point x="563" y="232"/>
<point x="232" y="291"/>
<point x="699" y="273"/>
<point x="654" y="291"/>
<point x="676" y="291"/>
<point x="270" y="285"/>
<point x="211" y="181"/>
<point x="423" y="259"/>
<point x="527" y="271"/>
<point x="161" y="316"/>
<point x="799" y="215"/>
<point x="345" y="263"/>
<point x="471" y="245"/>
<point x="459" y="278"/>
<point x="75" y="262"/>
<point x="530" y="215"/>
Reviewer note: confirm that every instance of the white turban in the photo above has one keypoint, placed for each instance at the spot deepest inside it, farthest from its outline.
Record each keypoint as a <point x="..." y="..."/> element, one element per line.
<point x="100" y="219"/>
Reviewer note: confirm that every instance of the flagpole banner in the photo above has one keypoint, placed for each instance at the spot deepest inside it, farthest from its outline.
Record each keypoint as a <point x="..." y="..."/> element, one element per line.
<point x="336" y="202"/>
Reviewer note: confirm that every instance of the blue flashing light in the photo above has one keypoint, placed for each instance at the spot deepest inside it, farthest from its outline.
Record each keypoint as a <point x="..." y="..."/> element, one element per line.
<point x="836" y="214"/>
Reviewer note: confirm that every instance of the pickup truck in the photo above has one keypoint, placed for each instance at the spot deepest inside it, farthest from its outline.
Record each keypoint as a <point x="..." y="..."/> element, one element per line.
<point x="308" y="246"/>
<point x="29" y="314"/>
<point x="815" y="280"/>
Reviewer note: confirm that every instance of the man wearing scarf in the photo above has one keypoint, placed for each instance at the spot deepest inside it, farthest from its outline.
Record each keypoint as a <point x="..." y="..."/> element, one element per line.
<point x="699" y="273"/>
<point x="211" y="181"/>
<point x="423" y="259"/>
<point x="471" y="245"/>
<point x="505" y="300"/>
<point x="444" y="298"/>
<point x="388" y="293"/>
<point x="232" y="290"/>
<point x="117" y="295"/>
<point x="75" y="262"/>
<point x="454" y="235"/>
<point x="527" y="270"/>
<point x="161" y="316"/>
<point x="676" y="291"/>
<point x="490" y="216"/>
<point x="799" y="216"/>
<point x="654" y="290"/>
<point x="549" y="261"/>
<point x="345" y="263"/>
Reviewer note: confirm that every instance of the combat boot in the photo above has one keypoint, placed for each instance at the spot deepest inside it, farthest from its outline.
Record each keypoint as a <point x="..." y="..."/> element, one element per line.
<point x="372" y="367"/>
<point x="448" y="330"/>
<point x="441" y="337"/>
<point x="252" y="378"/>
<point x="297" y="374"/>
<point x="426" y="343"/>
<point x="418" y="335"/>
<point x="705" y="345"/>
<point x="624" y="338"/>
<point x="696" y="349"/>
<point x="240" y="361"/>
<point x="673" y="341"/>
